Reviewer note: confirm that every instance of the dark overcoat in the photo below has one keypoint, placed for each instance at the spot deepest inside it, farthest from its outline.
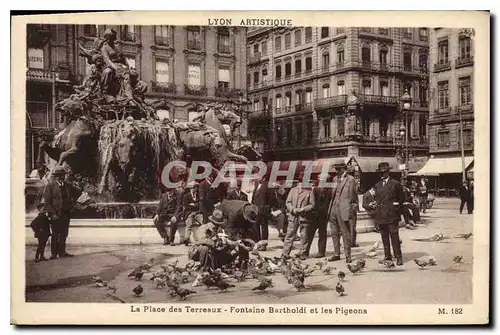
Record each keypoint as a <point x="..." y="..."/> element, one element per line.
<point x="389" y="199"/>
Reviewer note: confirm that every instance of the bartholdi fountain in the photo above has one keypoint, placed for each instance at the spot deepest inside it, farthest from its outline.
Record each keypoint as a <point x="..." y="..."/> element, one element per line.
<point x="113" y="145"/>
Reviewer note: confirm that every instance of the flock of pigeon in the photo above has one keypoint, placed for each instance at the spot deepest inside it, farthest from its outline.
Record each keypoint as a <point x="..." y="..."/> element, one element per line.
<point x="171" y="276"/>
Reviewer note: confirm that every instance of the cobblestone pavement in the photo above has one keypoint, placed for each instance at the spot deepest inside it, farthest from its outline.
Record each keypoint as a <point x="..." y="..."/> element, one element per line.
<point x="69" y="280"/>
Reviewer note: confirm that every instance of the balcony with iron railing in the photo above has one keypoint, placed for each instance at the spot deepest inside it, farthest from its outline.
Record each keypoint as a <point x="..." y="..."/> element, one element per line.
<point x="330" y="102"/>
<point x="193" y="45"/>
<point x="407" y="35"/>
<point x="383" y="31"/>
<point x="224" y="49"/>
<point x="464" y="61"/>
<point x="163" y="87"/>
<point x="162" y="40"/>
<point x="45" y="75"/>
<point x="442" y="66"/>
<point x="260" y="84"/>
<point x="195" y="90"/>
<point x="423" y="38"/>
<point x="373" y="99"/>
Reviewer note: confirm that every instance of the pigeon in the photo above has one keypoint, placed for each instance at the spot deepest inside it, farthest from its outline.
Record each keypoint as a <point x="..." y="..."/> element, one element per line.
<point x="111" y="287"/>
<point x="437" y="237"/>
<point x="371" y="254"/>
<point x="420" y="263"/>
<point x="138" y="290"/>
<point x="341" y="275"/>
<point x="387" y="263"/>
<point x="207" y="280"/>
<point x="298" y="284"/>
<point x="223" y="285"/>
<point x="263" y="284"/>
<point x="374" y="247"/>
<point x="458" y="259"/>
<point x="320" y="264"/>
<point x="328" y="270"/>
<point x="239" y="275"/>
<point x="160" y="282"/>
<point x="432" y="261"/>
<point x="96" y="279"/>
<point x="183" y="292"/>
<point x="340" y="289"/>
<point x="354" y="268"/>
<point x="101" y="284"/>
<point x="465" y="236"/>
<point x="361" y="263"/>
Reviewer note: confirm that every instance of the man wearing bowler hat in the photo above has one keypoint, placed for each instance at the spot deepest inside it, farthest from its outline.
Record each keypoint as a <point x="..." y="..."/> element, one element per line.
<point x="241" y="218"/>
<point x="389" y="198"/>
<point x="341" y="210"/>
<point x="322" y="198"/>
<point x="59" y="199"/>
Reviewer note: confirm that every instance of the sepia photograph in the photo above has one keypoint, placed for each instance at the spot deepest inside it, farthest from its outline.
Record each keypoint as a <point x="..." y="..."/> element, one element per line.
<point x="252" y="167"/>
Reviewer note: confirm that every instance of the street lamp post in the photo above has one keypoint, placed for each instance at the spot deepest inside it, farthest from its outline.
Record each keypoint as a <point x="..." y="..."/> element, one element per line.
<point x="404" y="131"/>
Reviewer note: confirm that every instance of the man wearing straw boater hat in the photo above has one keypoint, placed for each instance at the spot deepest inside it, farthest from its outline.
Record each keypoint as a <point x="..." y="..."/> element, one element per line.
<point x="341" y="210"/>
<point x="59" y="199"/>
<point x="389" y="197"/>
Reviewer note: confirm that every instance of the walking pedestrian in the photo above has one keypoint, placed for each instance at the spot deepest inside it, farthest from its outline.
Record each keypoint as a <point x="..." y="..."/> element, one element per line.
<point x="59" y="199"/>
<point x="168" y="214"/>
<point x="344" y="202"/>
<point x="322" y="198"/>
<point x="389" y="198"/>
<point x="300" y="206"/>
<point x="466" y="197"/>
<point x="422" y="194"/>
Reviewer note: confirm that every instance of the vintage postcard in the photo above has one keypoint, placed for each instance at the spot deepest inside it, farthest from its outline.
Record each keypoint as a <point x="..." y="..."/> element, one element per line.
<point x="251" y="168"/>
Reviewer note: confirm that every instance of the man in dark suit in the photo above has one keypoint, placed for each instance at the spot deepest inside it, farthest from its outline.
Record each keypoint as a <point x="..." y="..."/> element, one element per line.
<point x="389" y="198"/>
<point x="191" y="211"/>
<point x="369" y="205"/>
<point x="59" y="199"/>
<point x="236" y="193"/>
<point x="341" y="210"/>
<point x="168" y="214"/>
<point x="262" y="198"/>
<point x="208" y="196"/>
<point x="241" y="217"/>
<point x="322" y="198"/>
<point x="466" y="197"/>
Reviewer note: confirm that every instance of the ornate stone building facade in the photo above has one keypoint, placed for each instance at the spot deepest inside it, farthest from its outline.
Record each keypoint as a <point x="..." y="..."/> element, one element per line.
<point x="300" y="79"/>
<point x="184" y="65"/>
<point x="50" y="55"/>
<point x="452" y="102"/>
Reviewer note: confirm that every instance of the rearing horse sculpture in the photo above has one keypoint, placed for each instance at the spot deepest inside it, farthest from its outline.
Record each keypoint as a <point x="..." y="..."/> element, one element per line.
<point x="211" y="119"/>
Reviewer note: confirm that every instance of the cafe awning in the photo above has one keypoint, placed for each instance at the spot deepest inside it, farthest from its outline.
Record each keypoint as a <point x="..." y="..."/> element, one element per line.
<point x="436" y="166"/>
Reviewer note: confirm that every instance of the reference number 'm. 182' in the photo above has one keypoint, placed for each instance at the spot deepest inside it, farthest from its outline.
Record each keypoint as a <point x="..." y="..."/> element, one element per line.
<point x="449" y="311"/>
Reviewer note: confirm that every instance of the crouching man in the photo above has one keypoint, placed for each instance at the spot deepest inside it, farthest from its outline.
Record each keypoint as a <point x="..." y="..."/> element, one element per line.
<point x="213" y="249"/>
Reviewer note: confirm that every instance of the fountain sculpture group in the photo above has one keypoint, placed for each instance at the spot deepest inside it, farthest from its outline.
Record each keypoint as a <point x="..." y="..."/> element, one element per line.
<point x="113" y="144"/>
